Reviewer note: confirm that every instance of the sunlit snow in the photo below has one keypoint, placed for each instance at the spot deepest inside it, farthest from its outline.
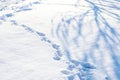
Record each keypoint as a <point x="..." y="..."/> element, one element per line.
<point x="59" y="39"/>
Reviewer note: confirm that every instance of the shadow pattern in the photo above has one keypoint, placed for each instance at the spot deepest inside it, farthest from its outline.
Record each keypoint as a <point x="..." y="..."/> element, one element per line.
<point x="91" y="41"/>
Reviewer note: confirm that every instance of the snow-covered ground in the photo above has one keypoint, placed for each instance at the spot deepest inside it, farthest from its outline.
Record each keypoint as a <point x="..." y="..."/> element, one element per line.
<point x="59" y="40"/>
<point x="24" y="55"/>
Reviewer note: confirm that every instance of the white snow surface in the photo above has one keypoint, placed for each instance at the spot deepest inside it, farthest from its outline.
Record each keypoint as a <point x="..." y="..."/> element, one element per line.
<point x="23" y="54"/>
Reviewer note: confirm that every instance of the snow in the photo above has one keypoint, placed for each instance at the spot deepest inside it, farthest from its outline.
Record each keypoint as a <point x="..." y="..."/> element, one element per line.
<point x="24" y="56"/>
<point x="59" y="40"/>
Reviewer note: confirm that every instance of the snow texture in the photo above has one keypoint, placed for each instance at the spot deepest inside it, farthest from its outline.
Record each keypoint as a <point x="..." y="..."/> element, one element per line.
<point x="59" y="39"/>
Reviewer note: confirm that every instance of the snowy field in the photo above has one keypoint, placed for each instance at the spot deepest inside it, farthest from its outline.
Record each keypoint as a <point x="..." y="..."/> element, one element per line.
<point x="59" y="39"/>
